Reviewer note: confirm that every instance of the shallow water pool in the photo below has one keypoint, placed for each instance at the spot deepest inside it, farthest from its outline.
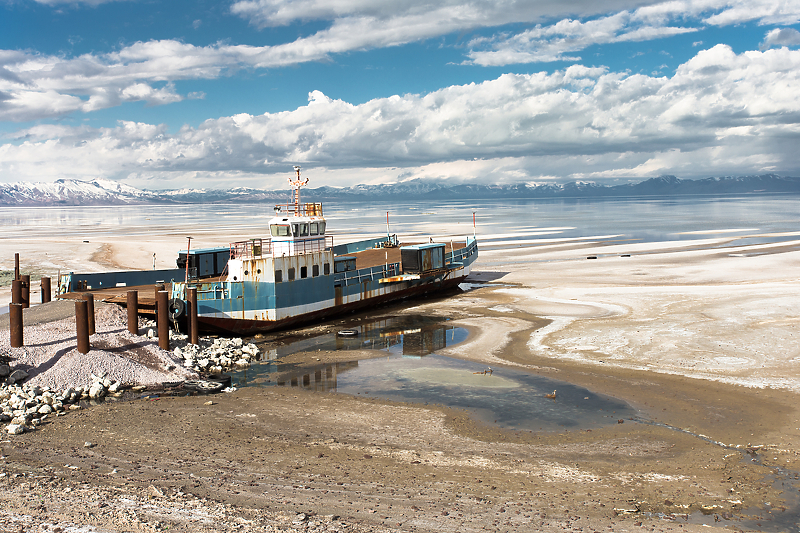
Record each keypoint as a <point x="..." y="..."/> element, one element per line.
<point x="412" y="372"/>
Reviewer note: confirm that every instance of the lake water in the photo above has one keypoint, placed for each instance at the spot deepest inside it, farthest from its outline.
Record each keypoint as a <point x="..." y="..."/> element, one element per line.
<point x="498" y="221"/>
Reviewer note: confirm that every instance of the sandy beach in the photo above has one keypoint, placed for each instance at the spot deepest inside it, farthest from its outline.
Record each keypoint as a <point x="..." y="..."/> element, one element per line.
<point x="701" y="339"/>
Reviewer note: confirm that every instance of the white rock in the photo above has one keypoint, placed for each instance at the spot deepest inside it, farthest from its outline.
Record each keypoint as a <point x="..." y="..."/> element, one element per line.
<point x="15" y="429"/>
<point x="45" y="410"/>
<point x="97" y="391"/>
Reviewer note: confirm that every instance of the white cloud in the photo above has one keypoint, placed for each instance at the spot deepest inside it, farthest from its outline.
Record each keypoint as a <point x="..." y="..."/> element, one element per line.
<point x="37" y="86"/>
<point x="554" y="42"/>
<point x="781" y="37"/>
<point x="720" y="113"/>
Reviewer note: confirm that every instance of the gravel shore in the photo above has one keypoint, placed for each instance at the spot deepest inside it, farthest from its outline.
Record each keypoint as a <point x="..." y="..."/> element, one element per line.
<point x="51" y="359"/>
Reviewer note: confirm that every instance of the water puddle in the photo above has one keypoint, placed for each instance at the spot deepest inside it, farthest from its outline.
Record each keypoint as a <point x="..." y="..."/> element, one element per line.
<point x="411" y="371"/>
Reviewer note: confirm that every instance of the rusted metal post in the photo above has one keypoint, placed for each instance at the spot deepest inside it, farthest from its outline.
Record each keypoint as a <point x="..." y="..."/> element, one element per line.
<point x="46" y="293"/>
<point x="82" y="325"/>
<point x="26" y="290"/>
<point x="89" y="297"/>
<point x="16" y="291"/>
<point x="16" y="266"/>
<point x="133" y="312"/>
<point x="159" y="287"/>
<point x="162" y="317"/>
<point x="15" y="316"/>
<point x="192" y="311"/>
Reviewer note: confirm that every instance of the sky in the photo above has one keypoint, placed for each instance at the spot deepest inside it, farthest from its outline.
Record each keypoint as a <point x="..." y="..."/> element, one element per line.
<point x="200" y="94"/>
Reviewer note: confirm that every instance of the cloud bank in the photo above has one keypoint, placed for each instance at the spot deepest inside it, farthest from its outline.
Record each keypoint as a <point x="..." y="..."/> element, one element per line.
<point x="720" y="113"/>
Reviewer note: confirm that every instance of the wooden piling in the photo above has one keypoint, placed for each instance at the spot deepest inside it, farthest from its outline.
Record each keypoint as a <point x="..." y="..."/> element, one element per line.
<point x="162" y="318"/>
<point x="46" y="292"/>
<point x="133" y="312"/>
<point x="192" y="311"/>
<point x="15" y="317"/>
<point x="89" y="297"/>
<point x="82" y="325"/>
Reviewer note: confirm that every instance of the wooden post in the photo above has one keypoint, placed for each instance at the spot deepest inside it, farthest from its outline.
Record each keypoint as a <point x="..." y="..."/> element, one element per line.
<point x="192" y="311"/>
<point x="133" y="312"/>
<point x="162" y="318"/>
<point x="26" y="290"/>
<point x="82" y="325"/>
<point x="89" y="297"/>
<point x="15" y="316"/>
<point x="46" y="292"/>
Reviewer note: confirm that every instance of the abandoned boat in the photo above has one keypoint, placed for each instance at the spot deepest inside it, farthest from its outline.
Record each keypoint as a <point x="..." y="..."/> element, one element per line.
<point x="297" y="274"/>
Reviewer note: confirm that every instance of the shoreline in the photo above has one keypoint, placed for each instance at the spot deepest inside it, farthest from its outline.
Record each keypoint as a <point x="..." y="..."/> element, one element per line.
<point x="613" y="325"/>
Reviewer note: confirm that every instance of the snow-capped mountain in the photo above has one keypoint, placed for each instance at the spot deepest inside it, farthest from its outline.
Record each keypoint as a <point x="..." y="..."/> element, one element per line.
<point x="108" y="192"/>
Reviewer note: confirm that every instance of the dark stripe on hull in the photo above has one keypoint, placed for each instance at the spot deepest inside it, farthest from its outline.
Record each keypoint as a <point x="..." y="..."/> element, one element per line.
<point x="250" y="327"/>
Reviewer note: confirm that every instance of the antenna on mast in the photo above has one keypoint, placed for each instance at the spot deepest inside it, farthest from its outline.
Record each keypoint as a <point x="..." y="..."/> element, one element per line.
<point x="296" y="184"/>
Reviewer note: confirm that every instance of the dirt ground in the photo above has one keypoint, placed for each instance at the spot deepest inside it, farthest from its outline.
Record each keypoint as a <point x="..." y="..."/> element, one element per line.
<point x="713" y="447"/>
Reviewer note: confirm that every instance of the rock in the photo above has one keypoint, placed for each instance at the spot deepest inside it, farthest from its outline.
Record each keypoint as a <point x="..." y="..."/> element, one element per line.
<point x="4" y="417"/>
<point x="45" y="410"/>
<point x="97" y="390"/>
<point x="153" y="492"/>
<point x="5" y="371"/>
<point x="15" y="429"/>
<point x="74" y="407"/>
<point x="17" y="376"/>
<point x="88" y="444"/>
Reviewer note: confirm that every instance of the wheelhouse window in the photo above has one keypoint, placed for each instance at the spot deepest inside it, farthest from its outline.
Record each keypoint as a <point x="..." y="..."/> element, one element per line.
<point x="291" y="274"/>
<point x="327" y="269"/>
<point x="278" y="276"/>
<point x="280" y="230"/>
<point x="303" y="272"/>
<point x="315" y="270"/>
<point x="313" y="228"/>
<point x="300" y="230"/>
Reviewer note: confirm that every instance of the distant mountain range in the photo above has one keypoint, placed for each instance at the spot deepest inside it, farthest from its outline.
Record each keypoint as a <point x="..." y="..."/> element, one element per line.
<point x="108" y="192"/>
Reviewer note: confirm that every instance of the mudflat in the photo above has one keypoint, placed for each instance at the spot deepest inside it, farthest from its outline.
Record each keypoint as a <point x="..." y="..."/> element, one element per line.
<point x="701" y="341"/>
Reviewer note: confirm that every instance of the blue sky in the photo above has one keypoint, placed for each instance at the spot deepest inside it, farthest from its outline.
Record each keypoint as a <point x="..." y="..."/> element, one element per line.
<point x="167" y="95"/>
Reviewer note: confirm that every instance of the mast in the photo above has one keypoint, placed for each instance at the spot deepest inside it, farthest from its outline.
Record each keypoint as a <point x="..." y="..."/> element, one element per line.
<point x="296" y="184"/>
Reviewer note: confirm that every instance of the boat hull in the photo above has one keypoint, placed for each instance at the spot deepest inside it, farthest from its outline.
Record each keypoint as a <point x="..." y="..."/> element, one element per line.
<point x="245" y="327"/>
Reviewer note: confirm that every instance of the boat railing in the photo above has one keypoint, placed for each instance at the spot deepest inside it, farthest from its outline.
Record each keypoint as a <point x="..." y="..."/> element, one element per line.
<point x="255" y="248"/>
<point x="457" y="256"/>
<point x="305" y="209"/>
<point x="350" y="277"/>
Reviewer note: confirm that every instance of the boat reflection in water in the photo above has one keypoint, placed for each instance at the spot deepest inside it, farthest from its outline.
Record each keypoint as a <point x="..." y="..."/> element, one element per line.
<point x="405" y="336"/>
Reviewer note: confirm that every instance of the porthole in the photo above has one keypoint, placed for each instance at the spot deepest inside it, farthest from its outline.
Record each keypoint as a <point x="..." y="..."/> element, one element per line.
<point x="246" y="272"/>
<point x="234" y="278"/>
<point x="258" y="271"/>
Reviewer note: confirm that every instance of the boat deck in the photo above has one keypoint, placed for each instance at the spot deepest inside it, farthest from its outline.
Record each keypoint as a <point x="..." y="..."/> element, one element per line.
<point x="380" y="256"/>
